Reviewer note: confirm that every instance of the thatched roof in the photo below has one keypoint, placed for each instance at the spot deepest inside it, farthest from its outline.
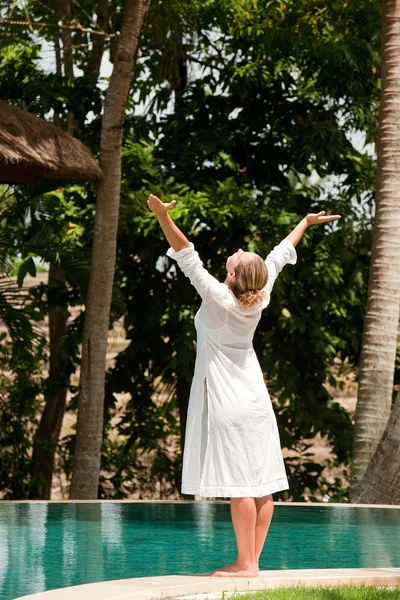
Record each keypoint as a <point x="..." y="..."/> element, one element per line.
<point x="31" y="148"/>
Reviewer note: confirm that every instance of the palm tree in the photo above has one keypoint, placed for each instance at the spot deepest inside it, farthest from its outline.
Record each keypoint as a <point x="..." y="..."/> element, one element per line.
<point x="378" y="352"/>
<point x="89" y="435"/>
<point x="381" y="482"/>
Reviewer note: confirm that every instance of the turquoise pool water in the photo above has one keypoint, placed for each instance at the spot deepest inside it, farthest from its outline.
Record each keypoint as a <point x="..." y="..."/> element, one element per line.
<point x="49" y="545"/>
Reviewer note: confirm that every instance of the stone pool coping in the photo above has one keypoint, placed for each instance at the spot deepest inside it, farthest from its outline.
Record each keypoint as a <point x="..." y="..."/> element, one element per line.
<point x="176" y="586"/>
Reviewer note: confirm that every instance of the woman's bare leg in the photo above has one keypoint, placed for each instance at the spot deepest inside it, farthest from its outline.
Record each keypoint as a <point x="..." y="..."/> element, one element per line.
<point x="244" y="517"/>
<point x="265" y="509"/>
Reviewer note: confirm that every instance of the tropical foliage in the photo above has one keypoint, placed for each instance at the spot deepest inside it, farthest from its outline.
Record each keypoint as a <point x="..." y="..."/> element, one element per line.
<point x="250" y="115"/>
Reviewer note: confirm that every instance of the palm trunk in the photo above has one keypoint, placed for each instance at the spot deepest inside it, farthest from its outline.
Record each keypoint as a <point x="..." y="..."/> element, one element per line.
<point x="382" y="315"/>
<point x="46" y="438"/>
<point x="381" y="483"/>
<point x="87" y="456"/>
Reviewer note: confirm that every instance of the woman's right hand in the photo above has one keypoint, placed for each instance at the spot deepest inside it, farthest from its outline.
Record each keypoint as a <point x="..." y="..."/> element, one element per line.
<point x="319" y="219"/>
<point x="159" y="207"/>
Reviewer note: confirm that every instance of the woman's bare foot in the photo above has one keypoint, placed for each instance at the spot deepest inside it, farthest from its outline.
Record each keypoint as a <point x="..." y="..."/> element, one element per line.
<point x="236" y="570"/>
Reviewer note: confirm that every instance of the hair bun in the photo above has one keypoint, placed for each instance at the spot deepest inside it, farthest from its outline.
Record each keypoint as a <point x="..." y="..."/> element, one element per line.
<point x="252" y="297"/>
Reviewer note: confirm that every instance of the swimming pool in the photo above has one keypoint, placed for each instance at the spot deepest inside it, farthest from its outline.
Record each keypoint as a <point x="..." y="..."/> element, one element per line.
<point x="44" y="546"/>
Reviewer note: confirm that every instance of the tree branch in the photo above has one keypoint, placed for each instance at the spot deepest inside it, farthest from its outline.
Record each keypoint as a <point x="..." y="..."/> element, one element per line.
<point x="204" y="63"/>
<point x="95" y="23"/>
<point x="50" y="25"/>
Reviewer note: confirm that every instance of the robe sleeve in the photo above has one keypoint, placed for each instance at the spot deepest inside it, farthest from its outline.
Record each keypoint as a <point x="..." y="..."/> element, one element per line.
<point x="280" y="256"/>
<point x="190" y="263"/>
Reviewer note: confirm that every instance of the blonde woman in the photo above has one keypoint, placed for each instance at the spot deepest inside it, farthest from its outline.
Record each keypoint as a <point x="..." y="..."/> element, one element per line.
<point x="232" y="445"/>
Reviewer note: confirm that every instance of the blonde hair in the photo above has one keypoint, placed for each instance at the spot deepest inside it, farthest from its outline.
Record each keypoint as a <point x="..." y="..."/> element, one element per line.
<point x="251" y="277"/>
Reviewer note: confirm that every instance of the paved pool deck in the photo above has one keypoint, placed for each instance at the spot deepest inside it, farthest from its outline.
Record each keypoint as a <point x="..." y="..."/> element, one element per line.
<point x="184" y="586"/>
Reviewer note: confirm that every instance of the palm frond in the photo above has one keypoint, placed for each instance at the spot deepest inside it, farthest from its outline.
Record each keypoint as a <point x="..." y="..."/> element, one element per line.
<point x="13" y="314"/>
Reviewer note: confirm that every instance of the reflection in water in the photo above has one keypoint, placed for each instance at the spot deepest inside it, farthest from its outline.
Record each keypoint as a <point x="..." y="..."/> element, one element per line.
<point x="377" y="542"/>
<point x="4" y="531"/>
<point x="89" y="534"/>
<point x="45" y="546"/>
<point x="338" y="545"/>
<point x="37" y="516"/>
<point x="204" y="520"/>
<point x="23" y="545"/>
<point x="69" y="549"/>
<point x="211" y="531"/>
<point x="111" y="525"/>
<point x="111" y="531"/>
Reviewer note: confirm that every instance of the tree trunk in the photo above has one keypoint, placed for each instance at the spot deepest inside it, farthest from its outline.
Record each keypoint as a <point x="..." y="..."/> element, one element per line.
<point x="48" y="432"/>
<point x="87" y="457"/>
<point x="378" y="352"/>
<point x="381" y="483"/>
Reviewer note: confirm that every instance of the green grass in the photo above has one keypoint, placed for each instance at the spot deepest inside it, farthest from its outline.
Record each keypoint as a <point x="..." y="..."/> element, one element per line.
<point x="343" y="592"/>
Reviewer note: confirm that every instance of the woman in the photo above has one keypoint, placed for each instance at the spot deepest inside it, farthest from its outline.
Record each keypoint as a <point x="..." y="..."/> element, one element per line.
<point x="232" y="445"/>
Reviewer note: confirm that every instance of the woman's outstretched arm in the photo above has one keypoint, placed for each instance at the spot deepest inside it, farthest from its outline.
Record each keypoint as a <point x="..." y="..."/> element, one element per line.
<point x="285" y="253"/>
<point x="296" y="235"/>
<point x="311" y="219"/>
<point x="176" y="239"/>
<point x="184" y="253"/>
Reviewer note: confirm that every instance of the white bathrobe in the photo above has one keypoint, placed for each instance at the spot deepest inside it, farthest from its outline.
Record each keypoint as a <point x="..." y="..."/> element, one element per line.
<point x="232" y="445"/>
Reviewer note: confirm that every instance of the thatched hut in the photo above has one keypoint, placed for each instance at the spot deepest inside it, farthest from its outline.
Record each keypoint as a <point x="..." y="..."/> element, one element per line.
<point x="31" y="148"/>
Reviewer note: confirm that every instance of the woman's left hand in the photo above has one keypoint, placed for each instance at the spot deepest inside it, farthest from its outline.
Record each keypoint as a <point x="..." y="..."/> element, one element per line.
<point x="318" y="218"/>
<point x="159" y="207"/>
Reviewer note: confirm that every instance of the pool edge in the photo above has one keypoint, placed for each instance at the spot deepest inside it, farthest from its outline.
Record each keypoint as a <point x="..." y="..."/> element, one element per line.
<point x="174" y="586"/>
<point x="203" y="501"/>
